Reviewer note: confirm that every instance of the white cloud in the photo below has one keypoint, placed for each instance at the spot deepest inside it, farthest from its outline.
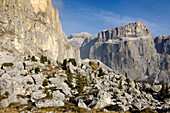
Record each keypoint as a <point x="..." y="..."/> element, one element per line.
<point x="109" y="18"/>
<point x="58" y="3"/>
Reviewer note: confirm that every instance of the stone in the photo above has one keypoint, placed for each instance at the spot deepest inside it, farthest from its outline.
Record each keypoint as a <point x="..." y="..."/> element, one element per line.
<point x="82" y="104"/>
<point x="49" y="103"/>
<point x="38" y="95"/>
<point x="5" y="103"/>
<point x="4" y="83"/>
<point x="156" y="88"/>
<point x="58" y="95"/>
<point x="38" y="79"/>
<point x="104" y="100"/>
<point x="22" y="101"/>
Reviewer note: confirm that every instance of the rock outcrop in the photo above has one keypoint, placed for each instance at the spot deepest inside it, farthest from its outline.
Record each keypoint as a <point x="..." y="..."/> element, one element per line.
<point x="131" y="49"/>
<point x="33" y="27"/>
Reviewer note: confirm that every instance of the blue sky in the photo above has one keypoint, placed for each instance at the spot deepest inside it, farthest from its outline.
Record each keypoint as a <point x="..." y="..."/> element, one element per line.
<point x="94" y="16"/>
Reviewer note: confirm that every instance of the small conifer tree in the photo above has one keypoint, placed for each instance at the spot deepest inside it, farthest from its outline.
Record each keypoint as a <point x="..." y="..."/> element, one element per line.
<point x="33" y="59"/>
<point x="163" y="92"/>
<point x="69" y="78"/>
<point x="120" y="84"/>
<point x="49" y="62"/>
<point x="64" y="66"/>
<point x="37" y="70"/>
<point x="79" y="83"/>
<point x="114" y="95"/>
<point x="42" y="59"/>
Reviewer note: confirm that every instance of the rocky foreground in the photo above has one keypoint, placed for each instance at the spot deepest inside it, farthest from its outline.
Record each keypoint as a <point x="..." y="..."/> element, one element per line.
<point x="37" y="84"/>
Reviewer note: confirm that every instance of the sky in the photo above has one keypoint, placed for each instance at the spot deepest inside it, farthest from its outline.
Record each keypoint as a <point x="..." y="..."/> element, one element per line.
<point x="93" y="16"/>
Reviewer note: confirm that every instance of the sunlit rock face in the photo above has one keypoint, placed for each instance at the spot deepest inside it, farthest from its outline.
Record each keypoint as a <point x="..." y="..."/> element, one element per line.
<point x="33" y="27"/>
<point x="129" y="49"/>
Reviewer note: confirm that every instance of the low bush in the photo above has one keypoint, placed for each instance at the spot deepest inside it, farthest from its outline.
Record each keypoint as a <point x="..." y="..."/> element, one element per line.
<point x="45" y="83"/>
<point x="7" y="64"/>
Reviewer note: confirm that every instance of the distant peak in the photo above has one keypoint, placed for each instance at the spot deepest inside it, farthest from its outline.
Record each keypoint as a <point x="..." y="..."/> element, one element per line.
<point x="80" y="35"/>
<point x="131" y="30"/>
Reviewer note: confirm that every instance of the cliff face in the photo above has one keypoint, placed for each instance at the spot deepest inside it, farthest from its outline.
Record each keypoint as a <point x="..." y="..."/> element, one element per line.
<point x="33" y="27"/>
<point x="129" y="49"/>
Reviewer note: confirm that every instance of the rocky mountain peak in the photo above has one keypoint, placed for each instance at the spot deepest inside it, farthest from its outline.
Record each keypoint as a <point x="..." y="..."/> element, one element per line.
<point x="129" y="31"/>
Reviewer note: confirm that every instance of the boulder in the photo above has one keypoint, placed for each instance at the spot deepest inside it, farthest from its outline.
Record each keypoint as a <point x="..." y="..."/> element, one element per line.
<point x="82" y="104"/>
<point x="104" y="100"/>
<point x="49" y="103"/>
<point x="38" y="78"/>
<point x="156" y="88"/>
<point x="5" y="103"/>
<point x="38" y="95"/>
<point x="58" y="95"/>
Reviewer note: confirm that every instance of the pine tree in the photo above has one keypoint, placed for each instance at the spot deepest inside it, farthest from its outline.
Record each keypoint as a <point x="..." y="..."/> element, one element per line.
<point x="90" y="77"/>
<point x="64" y="66"/>
<point x="120" y="84"/>
<point x="69" y="78"/>
<point x="86" y="81"/>
<point x="42" y="59"/>
<point x="49" y="62"/>
<point x="163" y="92"/>
<point x="79" y="83"/>
<point x="33" y="59"/>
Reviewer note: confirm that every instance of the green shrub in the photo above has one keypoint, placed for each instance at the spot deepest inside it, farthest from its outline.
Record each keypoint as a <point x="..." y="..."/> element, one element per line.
<point x="101" y="73"/>
<point x="79" y="83"/>
<point x="49" y="95"/>
<point x="7" y="64"/>
<point x="33" y="59"/>
<point x="45" y="83"/>
<point x="6" y="93"/>
<point x="114" y="95"/>
<point x="37" y="70"/>
<point x="73" y="61"/>
<point x="120" y="84"/>
<point x="69" y="78"/>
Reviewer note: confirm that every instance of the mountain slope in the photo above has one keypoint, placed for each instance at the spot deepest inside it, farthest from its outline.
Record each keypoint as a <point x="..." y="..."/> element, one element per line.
<point x="127" y="49"/>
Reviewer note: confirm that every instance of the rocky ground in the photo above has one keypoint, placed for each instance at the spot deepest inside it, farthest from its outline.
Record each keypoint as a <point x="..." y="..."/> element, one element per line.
<point x="34" y="84"/>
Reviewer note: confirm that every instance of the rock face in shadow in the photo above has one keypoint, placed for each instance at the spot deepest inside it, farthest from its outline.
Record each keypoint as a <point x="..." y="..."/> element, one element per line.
<point x="131" y="49"/>
<point x="33" y="27"/>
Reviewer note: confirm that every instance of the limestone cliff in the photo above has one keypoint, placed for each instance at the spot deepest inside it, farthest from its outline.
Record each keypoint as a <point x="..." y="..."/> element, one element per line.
<point x="33" y="27"/>
<point x="129" y="49"/>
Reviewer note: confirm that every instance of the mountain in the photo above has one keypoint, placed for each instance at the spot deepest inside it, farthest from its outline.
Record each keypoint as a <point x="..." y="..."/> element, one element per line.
<point x="131" y="49"/>
<point x="79" y="38"/>
<point x="33" y="27"/>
